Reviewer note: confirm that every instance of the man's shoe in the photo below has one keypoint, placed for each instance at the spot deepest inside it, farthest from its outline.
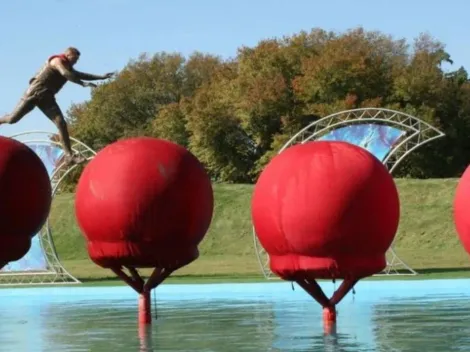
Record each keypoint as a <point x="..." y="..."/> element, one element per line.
<point x="75" y="159"/>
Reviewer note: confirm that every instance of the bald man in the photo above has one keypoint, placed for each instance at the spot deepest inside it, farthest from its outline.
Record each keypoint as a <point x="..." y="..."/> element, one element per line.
<point x="58" y="70"/>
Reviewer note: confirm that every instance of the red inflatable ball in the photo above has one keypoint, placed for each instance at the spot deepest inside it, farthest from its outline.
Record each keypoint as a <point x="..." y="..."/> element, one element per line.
<point x="462" y="210"/>
<point x="325" y="210"/>
<point x="144" y="202"/>
<point x="25" y="198"/>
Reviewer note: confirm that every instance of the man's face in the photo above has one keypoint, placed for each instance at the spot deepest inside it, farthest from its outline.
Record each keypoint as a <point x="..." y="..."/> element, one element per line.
<point x="72" y="57"/>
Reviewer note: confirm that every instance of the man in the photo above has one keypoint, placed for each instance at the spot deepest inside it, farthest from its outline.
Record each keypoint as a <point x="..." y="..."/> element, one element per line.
<point x="41" y="92"/>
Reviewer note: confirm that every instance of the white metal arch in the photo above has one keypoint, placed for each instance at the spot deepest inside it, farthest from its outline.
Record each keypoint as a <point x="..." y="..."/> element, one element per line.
<point x="56" y="273"/>
<point x="417" y="133"/>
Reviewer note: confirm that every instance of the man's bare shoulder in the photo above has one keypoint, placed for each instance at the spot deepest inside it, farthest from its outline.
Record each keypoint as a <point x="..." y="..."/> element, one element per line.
<point x="56" y="62"/>
<point x="60" y="65"/>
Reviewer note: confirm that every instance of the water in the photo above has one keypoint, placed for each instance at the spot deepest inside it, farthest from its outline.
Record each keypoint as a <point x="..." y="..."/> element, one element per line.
<point x="382" y="316"/>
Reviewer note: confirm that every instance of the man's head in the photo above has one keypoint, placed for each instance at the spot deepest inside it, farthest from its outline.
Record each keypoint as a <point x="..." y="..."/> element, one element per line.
<point x="72" y="55"/>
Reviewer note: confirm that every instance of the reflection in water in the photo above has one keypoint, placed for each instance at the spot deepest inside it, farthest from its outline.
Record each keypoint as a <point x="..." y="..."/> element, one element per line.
<point x="112" y="326"/>
<point x="256" y="317"/>
<point x="145" y="337"/>
<point x="299" y="327"/>
<point x="439" y="324"/>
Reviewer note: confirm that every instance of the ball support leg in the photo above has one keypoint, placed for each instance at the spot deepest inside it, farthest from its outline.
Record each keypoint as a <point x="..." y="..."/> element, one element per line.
<point x="143" y="288"/>
<point x="329" y="305"/>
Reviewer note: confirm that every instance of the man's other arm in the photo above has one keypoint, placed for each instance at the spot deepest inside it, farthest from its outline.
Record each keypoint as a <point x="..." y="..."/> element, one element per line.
<point x="91" y="77"/>
<point x="88" y="76"/>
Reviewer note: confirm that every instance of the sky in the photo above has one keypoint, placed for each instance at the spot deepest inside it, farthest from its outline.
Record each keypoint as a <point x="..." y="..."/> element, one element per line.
<point x="109" y="33"/>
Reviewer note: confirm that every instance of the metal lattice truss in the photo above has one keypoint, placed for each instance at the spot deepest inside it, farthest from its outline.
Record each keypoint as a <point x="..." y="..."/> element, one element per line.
<point x="55" y="272"/>
<point x="416" y="133"/>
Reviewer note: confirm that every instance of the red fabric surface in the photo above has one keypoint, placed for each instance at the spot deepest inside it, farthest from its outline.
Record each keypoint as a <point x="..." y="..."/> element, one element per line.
<point x="144" y="202"/>
<point x="25" y="198"/>
<point x="325" y="210"/>
<point x="462" y="210"/>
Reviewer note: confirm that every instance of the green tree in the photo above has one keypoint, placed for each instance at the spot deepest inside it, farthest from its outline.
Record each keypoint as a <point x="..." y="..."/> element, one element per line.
<point x="170" y="124"/>
<point x="263" y="94"/>
<point x="216" y="136"/>
<point x="198" y="70"/>
<point x="127" y="105"/>
<point x="235" y="115"/>
<point x="351" y="68"/>
<point x="266" y="103"/>
<point x="131" y="104"/>
<point x="424" y="90"/>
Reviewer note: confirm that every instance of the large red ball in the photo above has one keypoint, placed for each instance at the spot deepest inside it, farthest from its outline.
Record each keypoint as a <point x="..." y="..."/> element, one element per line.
<point x="144" y="202"/>
<point x="325" y="209"/>
<point x="25" y="198"/>
<point x="462" y="210"/>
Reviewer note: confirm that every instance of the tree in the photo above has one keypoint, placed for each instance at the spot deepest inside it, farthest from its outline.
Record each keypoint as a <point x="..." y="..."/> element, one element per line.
<point x="127" y="105"/>
<point x="216" y="136"/>
<point x="355" y="67"/>
<point x="424" y="90"/>
<point x="235" y="115"/>
<point x="170" y="124"/>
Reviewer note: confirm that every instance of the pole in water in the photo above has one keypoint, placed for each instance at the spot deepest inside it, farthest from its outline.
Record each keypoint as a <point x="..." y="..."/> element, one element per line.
<point x="144" y="289"/>
<point x="329" y="315"/>
<point x="329" y="319"/>
<point x="145" y="309"/>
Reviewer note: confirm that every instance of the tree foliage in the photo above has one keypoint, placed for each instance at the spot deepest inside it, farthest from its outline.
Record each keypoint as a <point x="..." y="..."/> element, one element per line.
<point x="234" y="115"/>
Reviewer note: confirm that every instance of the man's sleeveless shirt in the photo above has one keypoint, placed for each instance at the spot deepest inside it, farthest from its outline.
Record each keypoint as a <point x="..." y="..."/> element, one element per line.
<point x="48" y="79"/>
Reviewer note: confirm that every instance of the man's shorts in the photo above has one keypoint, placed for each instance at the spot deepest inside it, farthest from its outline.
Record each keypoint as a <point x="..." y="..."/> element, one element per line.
<point x="44" y="100"/>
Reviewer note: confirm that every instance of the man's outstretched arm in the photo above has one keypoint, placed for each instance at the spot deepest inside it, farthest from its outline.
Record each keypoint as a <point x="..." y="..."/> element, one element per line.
<point x="91" y="77"/>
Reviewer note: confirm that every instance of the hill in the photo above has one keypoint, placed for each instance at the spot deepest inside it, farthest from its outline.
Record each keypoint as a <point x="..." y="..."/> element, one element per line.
<point x="426" y="240"/>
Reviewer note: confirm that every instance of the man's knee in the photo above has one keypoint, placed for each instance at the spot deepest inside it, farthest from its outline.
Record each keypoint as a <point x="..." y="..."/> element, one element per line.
<point x="24" y="107"/>
<point x="9" y="119"/>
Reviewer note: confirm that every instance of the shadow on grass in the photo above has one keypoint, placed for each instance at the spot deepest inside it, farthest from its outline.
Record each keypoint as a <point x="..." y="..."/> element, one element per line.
<point x="443" y="270"/>
<point x="423" y="274"/>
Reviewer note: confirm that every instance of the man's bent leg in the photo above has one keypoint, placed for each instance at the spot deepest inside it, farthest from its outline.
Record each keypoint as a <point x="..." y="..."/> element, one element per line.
<point x="51" y="109"/>
<point x="25" y="106"/>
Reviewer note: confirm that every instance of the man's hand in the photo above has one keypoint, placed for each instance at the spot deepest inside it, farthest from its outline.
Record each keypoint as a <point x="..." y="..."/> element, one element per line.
<point x="108" y="75"/>
<point x="89" y="84"/>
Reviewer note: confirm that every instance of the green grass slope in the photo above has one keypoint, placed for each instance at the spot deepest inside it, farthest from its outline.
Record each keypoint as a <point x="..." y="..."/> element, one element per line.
<point x="426" y="239"/>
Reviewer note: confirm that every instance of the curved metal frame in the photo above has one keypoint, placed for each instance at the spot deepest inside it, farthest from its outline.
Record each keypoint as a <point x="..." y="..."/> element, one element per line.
<point x="418" y="133"/>
<point x="56" y="274"/>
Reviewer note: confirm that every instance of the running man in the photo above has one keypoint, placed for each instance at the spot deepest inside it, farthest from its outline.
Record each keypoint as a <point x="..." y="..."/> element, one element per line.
<point x="42" y="90"/>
